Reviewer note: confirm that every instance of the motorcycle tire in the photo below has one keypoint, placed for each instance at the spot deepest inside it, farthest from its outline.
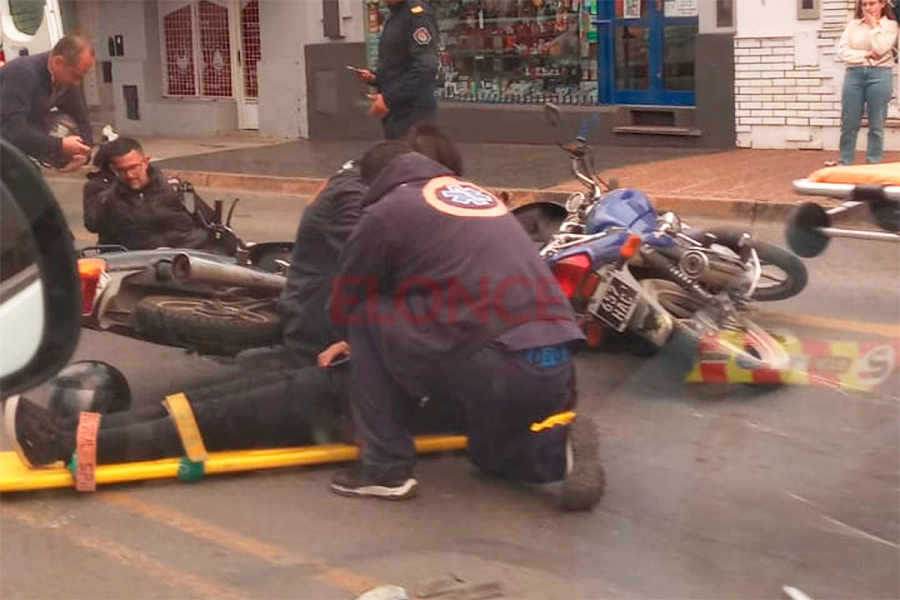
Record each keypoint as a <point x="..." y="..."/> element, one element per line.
<point x="771" y="287"/>
<point x="219" y="328"/>
<point x="541" y="220"/>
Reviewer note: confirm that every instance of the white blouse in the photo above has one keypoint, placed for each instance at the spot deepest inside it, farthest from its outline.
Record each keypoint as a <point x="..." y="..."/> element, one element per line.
<point x="859" y="39"/>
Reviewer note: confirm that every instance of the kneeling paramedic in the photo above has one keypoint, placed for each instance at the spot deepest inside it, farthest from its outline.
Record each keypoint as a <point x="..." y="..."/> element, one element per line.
<point x="442" y="296"/>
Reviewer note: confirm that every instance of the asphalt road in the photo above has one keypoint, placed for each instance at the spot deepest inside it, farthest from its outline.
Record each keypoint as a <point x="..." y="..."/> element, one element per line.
<point x="714" y="491"/>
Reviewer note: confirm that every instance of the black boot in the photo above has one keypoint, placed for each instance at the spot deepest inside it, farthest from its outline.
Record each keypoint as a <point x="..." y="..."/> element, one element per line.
<point x="38" y="438"/>
<point x="585" y="480"/>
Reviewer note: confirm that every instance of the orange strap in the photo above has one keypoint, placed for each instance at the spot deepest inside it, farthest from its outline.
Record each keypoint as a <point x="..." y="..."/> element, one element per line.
<point x="86" y="451"/>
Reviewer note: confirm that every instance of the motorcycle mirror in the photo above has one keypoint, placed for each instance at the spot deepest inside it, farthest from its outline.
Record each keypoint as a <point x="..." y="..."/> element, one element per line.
<point x="670" y="222"/>
<point x="551" y="113"/>
<point x="231" y="212"/>
<point x="217" y="211"/>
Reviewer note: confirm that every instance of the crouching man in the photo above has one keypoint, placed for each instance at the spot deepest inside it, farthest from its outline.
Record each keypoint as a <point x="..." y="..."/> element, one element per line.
<point x="441" y="295"/>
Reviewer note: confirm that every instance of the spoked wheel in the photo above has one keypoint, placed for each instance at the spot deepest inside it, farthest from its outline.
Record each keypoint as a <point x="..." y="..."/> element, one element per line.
<point x="680" y="304"/>
<point x="208" y="325"/>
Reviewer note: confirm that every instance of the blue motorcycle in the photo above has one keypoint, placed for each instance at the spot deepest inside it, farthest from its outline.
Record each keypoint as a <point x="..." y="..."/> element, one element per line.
<point x="624" y="267"/>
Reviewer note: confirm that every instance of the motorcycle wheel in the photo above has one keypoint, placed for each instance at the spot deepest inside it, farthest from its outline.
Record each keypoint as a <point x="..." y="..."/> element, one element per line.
<point x="759" y="346"/>
<point x="783" y="274"/>
<point x="212" y="327"/>
<point x="541" y="220"/>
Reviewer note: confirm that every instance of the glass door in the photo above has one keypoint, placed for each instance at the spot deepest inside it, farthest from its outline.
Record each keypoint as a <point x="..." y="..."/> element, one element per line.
<point x="646" y="51"/>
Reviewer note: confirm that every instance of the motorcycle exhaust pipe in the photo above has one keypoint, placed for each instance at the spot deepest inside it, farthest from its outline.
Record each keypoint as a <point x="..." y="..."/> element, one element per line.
<point x="201" y="270"/>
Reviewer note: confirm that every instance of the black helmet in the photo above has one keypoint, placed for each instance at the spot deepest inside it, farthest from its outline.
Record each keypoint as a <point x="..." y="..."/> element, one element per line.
<point x="59" y="125"/>
<point x="89" y="386"/>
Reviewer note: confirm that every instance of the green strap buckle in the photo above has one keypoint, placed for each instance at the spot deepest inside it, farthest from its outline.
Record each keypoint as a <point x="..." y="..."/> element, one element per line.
<point x="189" y="471"/>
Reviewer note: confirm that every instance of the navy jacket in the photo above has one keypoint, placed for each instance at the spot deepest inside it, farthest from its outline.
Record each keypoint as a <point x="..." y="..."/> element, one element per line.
<point x="149" y="218"/>
<point x="408" y="57"/>
<point x="443" y="267"/>
<point x="25" y="103"/>
<point x="323" y="231"/>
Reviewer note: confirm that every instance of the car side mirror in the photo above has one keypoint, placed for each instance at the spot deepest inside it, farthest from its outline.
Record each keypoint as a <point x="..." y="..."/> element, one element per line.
<point x="40" y="292"/>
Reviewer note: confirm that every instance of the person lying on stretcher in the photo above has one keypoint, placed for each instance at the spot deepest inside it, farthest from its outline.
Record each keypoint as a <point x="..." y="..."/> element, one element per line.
<point x="297" y="407"/>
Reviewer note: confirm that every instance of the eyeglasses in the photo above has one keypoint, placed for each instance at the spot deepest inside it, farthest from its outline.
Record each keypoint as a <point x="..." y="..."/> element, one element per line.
<point x="126" y="169"/>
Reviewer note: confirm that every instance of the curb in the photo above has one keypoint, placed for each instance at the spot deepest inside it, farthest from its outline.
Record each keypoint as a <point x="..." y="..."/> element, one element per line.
<point x="689" y="206"/>
<point x="724" y="208"/>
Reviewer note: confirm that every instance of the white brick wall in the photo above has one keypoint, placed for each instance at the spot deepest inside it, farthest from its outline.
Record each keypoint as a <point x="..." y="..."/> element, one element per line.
<point x="780" y="104"/>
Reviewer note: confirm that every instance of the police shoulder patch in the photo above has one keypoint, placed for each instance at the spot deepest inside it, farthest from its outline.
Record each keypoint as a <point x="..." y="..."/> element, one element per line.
<point x="417" y="10"/>
<point x="422" y="36"/>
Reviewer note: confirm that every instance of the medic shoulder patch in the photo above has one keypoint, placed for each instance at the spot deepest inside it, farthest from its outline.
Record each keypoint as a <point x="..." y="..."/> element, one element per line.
<point x="417" y="10"/>
<point x="422" y="36"/>
<point x="453" y="196"/>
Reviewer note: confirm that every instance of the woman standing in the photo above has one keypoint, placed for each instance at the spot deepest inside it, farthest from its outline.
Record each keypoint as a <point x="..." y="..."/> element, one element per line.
<point x="867" y="48"/>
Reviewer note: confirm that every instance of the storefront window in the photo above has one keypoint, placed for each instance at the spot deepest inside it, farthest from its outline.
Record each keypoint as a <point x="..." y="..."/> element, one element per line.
<point x="678" y="57"/>
<point x="511" y="51"/>
<point x="632" y="58"/>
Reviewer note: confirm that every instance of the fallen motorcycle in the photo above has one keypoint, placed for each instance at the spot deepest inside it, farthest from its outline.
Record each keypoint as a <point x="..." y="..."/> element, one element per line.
<point x="875" y="187"/>
<point x="625" y="268"/>
<point x="782" y="274"/>
<point x="211" y="303"/>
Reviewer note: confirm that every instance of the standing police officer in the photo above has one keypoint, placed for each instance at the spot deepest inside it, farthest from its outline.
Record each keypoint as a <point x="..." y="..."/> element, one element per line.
<point x="407" y="68"/>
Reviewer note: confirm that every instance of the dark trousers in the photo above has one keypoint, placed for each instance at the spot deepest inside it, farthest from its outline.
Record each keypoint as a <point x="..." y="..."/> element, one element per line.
<point x="399" y="121"/>
<point x="500" y="392"/>
<point x="285" y="408"/>
<point x="281" y="407"/>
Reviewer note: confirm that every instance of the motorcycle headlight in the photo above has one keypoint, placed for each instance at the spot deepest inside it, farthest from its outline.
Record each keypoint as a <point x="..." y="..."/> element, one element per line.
<point x="574" y="202"/>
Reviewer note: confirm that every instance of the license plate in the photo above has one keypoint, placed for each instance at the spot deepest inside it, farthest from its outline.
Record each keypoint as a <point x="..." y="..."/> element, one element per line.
<point x="616" y="304"/>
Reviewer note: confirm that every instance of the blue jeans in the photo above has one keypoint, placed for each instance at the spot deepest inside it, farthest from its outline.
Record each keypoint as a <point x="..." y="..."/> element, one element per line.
<point x="870" y="87"/>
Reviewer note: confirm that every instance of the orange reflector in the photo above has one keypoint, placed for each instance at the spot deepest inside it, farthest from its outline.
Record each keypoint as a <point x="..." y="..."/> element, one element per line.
<point x="89" y="271"/>
<point x="630" y="247"/>
<point x="91" y="267"/>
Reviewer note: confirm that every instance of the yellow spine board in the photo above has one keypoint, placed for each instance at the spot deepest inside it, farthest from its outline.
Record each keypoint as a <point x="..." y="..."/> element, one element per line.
<point x="16" y="477"/>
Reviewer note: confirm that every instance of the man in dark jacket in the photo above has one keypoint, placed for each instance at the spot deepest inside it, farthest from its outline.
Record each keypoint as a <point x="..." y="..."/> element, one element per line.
<point x="407" y="68"/>
<point x="144" y="209"/>
<point x="442" y="295"/>
<point x="97" y="183"/>
<point x="326" y="224"/>
<point x="31" y="86"/>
